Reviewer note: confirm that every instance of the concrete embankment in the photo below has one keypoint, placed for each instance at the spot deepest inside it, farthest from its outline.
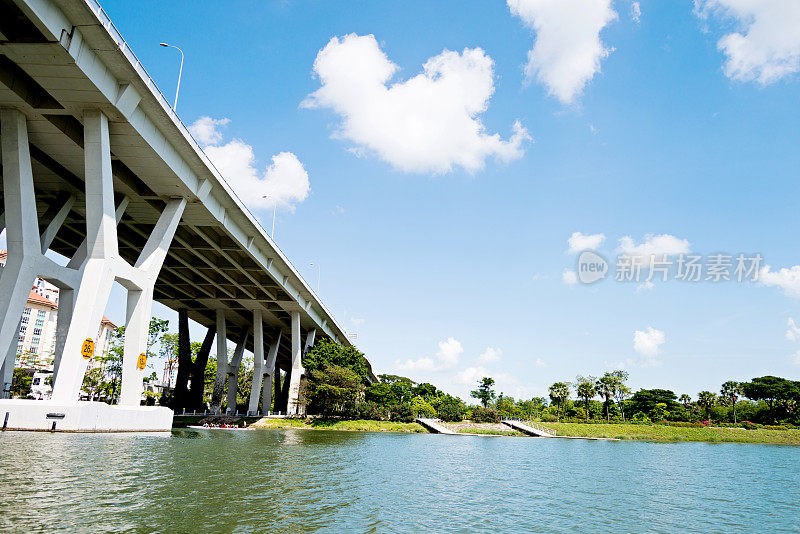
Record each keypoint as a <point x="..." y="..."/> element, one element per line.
<point x="531" y="429"/>
<point x="434" y="426"/>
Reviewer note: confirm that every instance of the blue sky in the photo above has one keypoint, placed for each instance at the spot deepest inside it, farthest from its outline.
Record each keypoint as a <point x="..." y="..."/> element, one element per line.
<point x="437" y="239"/>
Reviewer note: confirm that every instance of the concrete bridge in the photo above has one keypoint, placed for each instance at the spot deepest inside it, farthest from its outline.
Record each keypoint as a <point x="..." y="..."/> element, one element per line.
<point x="97" y="167"/>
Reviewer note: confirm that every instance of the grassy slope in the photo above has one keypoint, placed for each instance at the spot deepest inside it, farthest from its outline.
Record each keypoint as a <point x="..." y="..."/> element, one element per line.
<point x="671" y="433"/>
<point x="358" y="425"/>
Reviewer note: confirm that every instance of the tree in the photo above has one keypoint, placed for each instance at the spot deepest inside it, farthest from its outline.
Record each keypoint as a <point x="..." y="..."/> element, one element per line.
<point x="586" y="390"/>
<point x="381" y="394"/>
<point x="327" y="352"/>
<point x="21" y="382"/>
<point x="771" y="389"/>
<point x="706" y="399"/>
<point x="421" y="407"/>
<point x="731" y="391"/>
<point x="606" y="387"/>
<point x="685" y="399"/>
<point x="622" y="390"/>
<point x="425" y="390"/>
<point x="559" y="394"/>
<point x="645" y="400"/>
<point x="329" y="388"/>
<point x="484" y="393"/>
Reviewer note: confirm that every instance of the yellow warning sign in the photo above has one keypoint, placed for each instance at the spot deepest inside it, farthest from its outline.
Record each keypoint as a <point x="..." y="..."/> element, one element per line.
<point x="142" y="361"/>
<point x="87" y="349"/>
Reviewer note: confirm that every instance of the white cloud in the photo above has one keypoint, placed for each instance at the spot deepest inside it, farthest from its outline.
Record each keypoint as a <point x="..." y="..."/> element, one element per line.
<point x="540" y="363"/>
<point x="646" y="286"/>
<point x="449" y="352"/>
<point x="541" y="276"/>
<point x="206" y="130"/>
<point x="767" y="45"/>
<point x="422" y="364"/>
<point x="796" y="358"/>
<point x="636" y="12"/>
<point x="793" y="333"/>
<point x="578" y="242"/>
<point x="357" y="321"/>
<point x="428" y="123"/>
<point x="470" y="375"/>
<point x="786" y="279"/>
<point x="567" y="50"/>
<point x="654" y="245"/>
<point x="490" y="355"/>
<point x="569" y="277"/>
<point x="447" y="357"/>
<point x="648" y="343"/>
<point x="284" y="180"/>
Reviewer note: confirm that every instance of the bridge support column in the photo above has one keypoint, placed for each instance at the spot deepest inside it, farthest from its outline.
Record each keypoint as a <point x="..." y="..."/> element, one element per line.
<point x="66" y="295"/>
<point x="233" y="372"/>
<point x="222" y="362"/>
<point x="284" y="400"/>
<point x="22" y="233"/>
<point x="97" y="272"/>
<point x="270" y="372"/>
<point x="258" y="362"/>
<point x="297" y="364"/>
<point x="140" y="283"/>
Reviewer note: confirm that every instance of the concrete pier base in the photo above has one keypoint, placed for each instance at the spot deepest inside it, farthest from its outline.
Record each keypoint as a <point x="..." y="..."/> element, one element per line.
<point x="19" y="414"/>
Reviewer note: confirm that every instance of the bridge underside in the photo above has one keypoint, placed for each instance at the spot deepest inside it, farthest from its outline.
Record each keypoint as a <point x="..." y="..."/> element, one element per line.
<point x="118" y="185"/>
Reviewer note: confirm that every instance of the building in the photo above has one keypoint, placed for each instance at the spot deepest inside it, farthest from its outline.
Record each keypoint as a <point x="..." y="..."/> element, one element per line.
<point x="36" y="344"/>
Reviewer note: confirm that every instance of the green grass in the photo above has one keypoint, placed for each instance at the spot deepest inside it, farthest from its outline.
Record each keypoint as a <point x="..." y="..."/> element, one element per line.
<point x="331" y="424"/>
<point x="673" y="434"/>
<point x="489" y="432"/>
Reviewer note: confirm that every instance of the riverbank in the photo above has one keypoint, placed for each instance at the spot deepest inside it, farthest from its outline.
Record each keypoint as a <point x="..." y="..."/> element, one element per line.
<point x="665" y="433"/>
<point x="182" y="421"/>
<point x="348" y="426"/>
<point x="488" y="429"/>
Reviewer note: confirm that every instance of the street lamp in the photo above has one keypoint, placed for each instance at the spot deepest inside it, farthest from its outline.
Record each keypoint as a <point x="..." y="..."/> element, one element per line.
<point x="274" y="209"/>
<point x="318" y="274"/>
<point x="180" y="71"/>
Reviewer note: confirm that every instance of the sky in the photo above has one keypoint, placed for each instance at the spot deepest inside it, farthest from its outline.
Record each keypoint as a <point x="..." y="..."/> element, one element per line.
<point x="444" y="165"/>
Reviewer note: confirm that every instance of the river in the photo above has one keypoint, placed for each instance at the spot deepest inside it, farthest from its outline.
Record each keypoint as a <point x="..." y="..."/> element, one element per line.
<point x="308" y="481"/>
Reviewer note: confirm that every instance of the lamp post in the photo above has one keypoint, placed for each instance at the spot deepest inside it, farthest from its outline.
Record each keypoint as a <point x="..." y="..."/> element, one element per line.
<point x="318" y="274"/>
<point x="274" y="210"/>
<point x="180" y="72"/>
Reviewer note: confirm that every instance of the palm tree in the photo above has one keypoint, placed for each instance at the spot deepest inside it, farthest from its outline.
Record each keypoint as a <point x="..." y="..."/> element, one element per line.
<point x="559" y="393"/>
<point x="685" y="399"/>
<point x="606" y="387"/>
<point x="706" y="399"/>
<point x="586" y="390"/>
<point x="731" y="390"/>
<point x="622" y="391"/>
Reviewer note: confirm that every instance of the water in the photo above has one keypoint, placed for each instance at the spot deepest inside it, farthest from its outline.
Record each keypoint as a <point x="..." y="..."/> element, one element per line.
<point x="303" y="481"/>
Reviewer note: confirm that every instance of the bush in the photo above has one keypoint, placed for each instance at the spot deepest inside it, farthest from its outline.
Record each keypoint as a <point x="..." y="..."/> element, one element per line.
<point x="451" y="413"/>
<point x="776" y="427"/>
<point x="485" y="415"/>
<point x="750" y="425"/>
<point x="402" y="413"/>
<point x="548" y="418"/>
<point x="364" y="410"/>
<point x="640" y="418"/>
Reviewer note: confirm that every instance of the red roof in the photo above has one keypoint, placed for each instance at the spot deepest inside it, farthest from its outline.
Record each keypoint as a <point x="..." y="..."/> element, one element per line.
<point x="36" y="298"/>
<point x="107" y="321"/>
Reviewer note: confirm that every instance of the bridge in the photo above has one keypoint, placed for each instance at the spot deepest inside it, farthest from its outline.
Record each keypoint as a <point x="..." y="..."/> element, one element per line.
<point x="98" y="167"/>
